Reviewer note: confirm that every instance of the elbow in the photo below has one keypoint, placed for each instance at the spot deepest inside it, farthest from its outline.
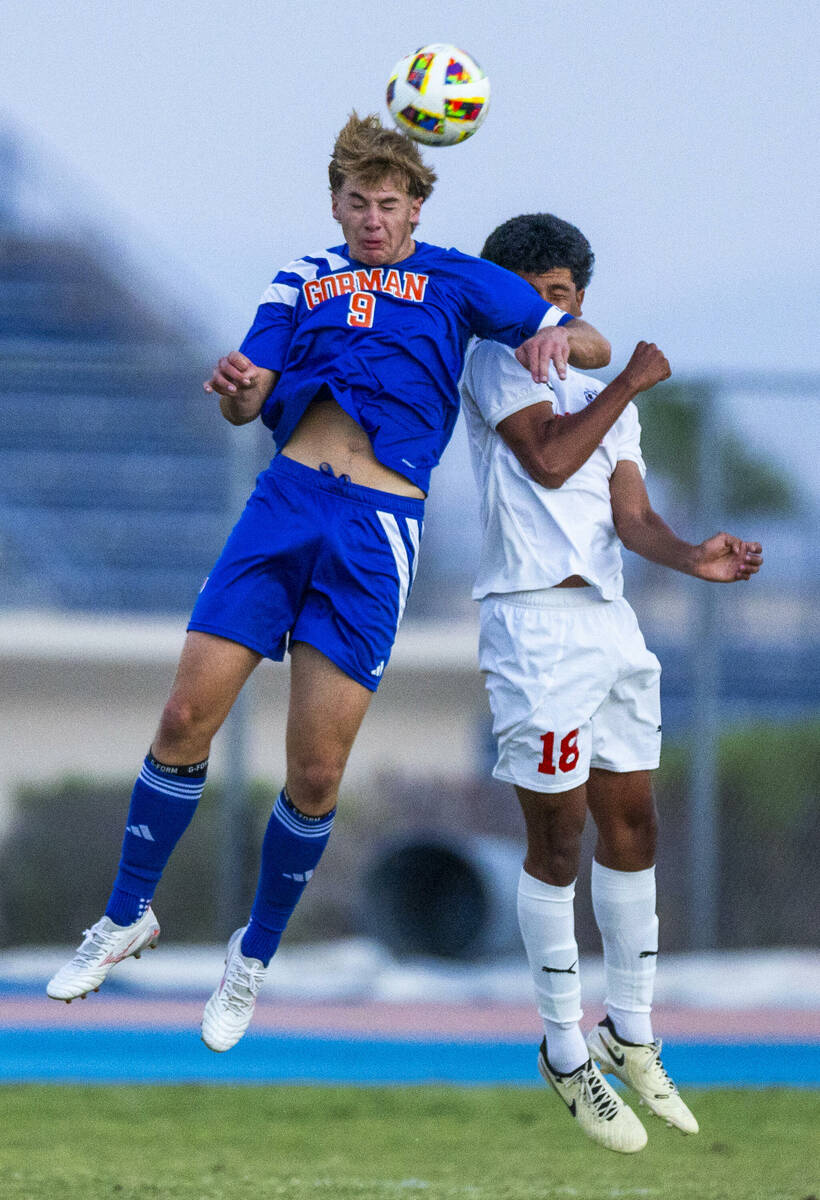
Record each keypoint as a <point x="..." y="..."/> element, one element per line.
<point x="592" y="355"/>
<point x="627" y="534"/>
<point x="234" y="414"/>
<point x="547" y="475"/>
<point x="546" y="466"/>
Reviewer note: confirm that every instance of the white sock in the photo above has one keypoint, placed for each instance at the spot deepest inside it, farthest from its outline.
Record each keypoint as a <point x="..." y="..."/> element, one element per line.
<point x="546" y="916"/>
<point x="624" y="906"/>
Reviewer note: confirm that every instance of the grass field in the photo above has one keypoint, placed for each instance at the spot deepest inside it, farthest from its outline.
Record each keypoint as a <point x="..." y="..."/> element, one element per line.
<point x="133" y="1143"/>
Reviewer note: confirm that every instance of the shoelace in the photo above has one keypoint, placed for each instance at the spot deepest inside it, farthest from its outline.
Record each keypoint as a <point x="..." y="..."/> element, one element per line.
<point x="597" y="1095"/>
<point x="241" y="985"/>
<point x="95" y="942"/>
<point x="655" y="1067"/>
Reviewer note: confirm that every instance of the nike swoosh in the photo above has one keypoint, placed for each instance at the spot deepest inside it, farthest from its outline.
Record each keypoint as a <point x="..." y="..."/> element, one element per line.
<point x="618" y="1059"/>
<point x="571" y="1107"/>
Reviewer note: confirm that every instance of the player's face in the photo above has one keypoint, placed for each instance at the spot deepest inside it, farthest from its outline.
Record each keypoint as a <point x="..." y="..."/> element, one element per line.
<point x="556" y="287"/>
<point x="378" y="223"/>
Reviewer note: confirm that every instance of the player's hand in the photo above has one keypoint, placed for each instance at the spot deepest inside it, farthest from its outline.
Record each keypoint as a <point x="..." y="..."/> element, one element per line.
<point x="726" y="559"/>
<point x="232" y="374"/>
<point x="545" y="347"/>
<point x="647" y="366"/>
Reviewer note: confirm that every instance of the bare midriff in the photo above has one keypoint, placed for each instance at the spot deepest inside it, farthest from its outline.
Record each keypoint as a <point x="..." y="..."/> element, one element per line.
<point x="572" y="581"/>
<point x="326" y="434"/>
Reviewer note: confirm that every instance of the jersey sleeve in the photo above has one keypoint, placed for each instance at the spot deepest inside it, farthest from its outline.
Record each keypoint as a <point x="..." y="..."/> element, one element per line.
<point x="629" y="437"/>
<point x="504" y="307"/>
<point x="267" y="341"/>
<point x="499" y="385"/>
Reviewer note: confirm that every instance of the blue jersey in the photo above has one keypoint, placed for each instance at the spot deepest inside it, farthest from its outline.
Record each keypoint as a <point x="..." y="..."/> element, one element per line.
<point x="387" y="343"/>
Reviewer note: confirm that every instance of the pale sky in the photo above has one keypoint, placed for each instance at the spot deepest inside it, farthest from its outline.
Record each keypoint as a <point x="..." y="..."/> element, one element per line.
<point x="682" y="139"/>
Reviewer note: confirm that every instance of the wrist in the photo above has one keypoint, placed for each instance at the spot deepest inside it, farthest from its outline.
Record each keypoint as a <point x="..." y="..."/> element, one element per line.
<point x="696" y="557"/>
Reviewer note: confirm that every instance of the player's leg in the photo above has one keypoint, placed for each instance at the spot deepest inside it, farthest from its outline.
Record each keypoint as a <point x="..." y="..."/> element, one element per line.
<point x="545" y="676"/>
<point x="626" y="747"/>
<point x="554" y="823"/>
<point x="325" y="712"/>
<point x="623" y="895"/>
<point x="547" y="669"/>
<point x="324" y="716"/>
<point x="626" y="744"/>
<point x="546" y="894"/>
<point x="210" y="674"/>
<point x="362" y="564"/>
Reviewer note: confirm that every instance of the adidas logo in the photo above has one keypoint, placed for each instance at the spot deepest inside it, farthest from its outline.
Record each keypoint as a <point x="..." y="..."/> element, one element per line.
<point x="141" y="831"/>
<point x="379" y="670"/>
<point x="297" y="877"/>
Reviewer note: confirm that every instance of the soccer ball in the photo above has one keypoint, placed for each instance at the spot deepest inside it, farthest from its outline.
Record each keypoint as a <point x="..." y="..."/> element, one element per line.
<point x="439" y="95"/>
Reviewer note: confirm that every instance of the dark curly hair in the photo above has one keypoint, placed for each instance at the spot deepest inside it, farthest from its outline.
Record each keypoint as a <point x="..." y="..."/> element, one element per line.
<point x="539" y="242"/>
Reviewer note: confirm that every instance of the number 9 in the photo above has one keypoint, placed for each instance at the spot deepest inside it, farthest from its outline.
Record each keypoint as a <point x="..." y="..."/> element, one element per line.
<point x="361" y="309"/>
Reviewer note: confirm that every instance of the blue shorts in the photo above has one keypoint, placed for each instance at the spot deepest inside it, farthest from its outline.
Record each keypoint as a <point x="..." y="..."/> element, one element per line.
<point x="317" y="559"/>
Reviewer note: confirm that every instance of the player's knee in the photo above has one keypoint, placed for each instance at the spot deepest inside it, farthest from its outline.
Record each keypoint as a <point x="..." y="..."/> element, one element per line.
<point x="181" y="721"/>
<point x="555" y="859"/>
<point x="642" y="829"/>
<point x="313" y="784"/>
<point x="630" y="837"/>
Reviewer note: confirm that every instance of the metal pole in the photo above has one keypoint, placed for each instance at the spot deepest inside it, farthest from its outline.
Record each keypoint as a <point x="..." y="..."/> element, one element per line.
<point x="704" y="832"/>
<point x="234" y="815"/>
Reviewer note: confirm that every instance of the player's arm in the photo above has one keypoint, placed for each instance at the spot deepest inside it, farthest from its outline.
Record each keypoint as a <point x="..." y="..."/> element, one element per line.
<point x="551" y="449"/>
<point x="242" y="387"/>
<point x="577" y="343"/>
<point x="722" y="558"/>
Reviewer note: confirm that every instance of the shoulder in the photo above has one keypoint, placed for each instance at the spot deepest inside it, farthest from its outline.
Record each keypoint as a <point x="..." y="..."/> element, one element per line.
<point x="485" y="357"/>
<point x="497" y="383"/>
<point x="586" y="387"/>
<point x="317" y="262"/>
<point x="444" y="259"/>
<point x="458" y="263"/>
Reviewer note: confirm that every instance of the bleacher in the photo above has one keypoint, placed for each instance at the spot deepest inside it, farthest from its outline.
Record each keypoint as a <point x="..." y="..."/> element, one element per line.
<point x="113" y="466"/>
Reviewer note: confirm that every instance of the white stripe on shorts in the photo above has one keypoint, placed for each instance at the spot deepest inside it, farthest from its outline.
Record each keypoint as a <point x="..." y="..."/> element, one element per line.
<point x="414" y="530"/>
<point x="391" y="527"/>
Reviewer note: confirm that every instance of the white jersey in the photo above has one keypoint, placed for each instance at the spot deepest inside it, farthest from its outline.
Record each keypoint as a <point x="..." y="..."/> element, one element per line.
<point x="534" y="537"/>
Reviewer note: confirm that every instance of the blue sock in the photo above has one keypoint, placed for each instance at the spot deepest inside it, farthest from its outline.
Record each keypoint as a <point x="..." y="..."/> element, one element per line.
<point x="291" y="850"/>
<point x="162" y="803"/>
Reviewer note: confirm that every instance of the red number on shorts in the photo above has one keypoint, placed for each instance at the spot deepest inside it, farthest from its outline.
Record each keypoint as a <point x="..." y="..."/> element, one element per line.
<point x="360" y="312"/>
<point x="569" y="751"/>
<point x="546" y="765"/>
<point x="568" y="758"/>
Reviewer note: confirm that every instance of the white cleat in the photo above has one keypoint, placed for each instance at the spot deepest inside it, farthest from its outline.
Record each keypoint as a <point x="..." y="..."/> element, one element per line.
<point x="640" y="1068"/>
<point x="599" y="1110"/>
<point x="229" y="1011"/>
<point x="105" y="945"/>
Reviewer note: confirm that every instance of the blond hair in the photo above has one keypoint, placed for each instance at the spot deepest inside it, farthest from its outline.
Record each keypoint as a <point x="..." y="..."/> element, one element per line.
<point x="368" y="152"/>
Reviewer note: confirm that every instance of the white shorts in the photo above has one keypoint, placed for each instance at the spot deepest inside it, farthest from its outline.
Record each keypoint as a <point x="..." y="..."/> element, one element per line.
<point x="571" y="685"/>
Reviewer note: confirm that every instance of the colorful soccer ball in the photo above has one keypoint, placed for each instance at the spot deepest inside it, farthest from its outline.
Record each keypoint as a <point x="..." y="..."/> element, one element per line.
<point x="439" y="95"/>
